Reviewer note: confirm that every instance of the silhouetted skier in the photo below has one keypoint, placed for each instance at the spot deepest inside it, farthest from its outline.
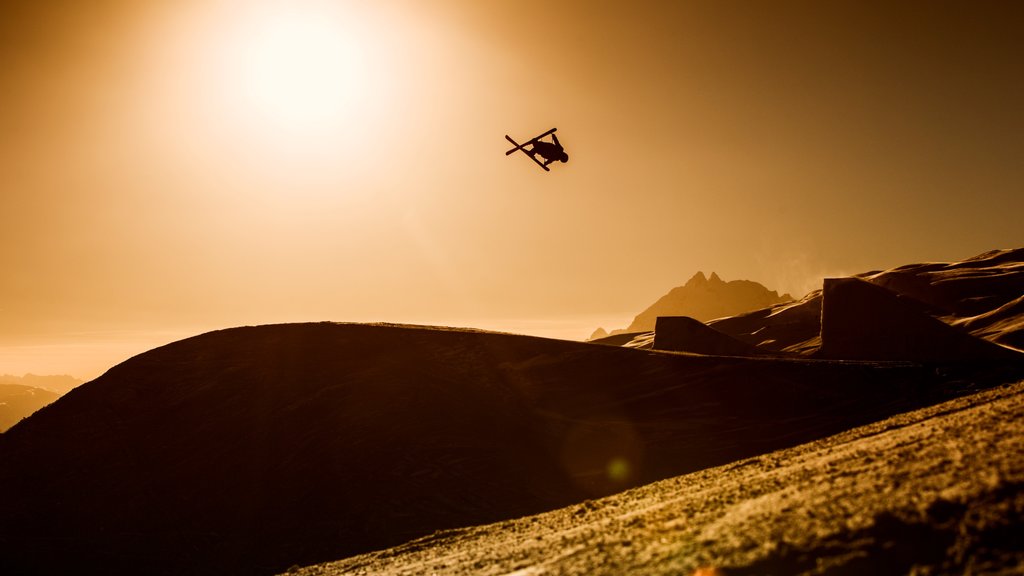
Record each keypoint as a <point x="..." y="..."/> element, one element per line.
<point x="549" y="151"/>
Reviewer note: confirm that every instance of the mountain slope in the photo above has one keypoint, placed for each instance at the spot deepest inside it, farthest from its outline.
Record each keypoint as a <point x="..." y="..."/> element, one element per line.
<point x="980" y="296"/>
<point x="939" y="490"/>
<point x="248" y="450"/>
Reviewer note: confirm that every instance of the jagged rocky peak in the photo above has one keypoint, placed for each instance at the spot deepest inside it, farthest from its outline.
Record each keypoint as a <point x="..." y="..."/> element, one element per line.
<point x="698" y="280"/>
<point x="598" y="334"/>
<point x="706" y="298"/>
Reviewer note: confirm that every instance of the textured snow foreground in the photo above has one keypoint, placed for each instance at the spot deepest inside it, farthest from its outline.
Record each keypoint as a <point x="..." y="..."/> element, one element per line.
<point x="934" y="491"/>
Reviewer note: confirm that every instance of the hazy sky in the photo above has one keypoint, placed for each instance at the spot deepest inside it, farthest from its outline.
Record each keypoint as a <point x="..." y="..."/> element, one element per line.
<point x="172" y="167"/>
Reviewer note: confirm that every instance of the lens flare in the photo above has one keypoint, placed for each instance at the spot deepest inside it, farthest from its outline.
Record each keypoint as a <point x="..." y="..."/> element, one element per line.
<point x="618" y="470"/>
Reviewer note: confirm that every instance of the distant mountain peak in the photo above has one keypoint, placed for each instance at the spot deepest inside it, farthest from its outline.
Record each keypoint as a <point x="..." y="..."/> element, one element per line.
<point x="706" y="298"/>
<point x="698" y="279"/>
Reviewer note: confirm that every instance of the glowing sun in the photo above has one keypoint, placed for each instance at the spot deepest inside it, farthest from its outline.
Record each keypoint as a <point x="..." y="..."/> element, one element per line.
<point x="298" y="66"/>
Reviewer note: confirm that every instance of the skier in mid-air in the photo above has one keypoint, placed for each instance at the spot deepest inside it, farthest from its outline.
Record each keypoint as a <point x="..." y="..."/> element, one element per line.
<point x="549" y="151"/>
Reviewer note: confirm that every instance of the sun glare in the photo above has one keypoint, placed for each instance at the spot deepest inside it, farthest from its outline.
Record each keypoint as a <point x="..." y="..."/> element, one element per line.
<point x="297" y="67"/>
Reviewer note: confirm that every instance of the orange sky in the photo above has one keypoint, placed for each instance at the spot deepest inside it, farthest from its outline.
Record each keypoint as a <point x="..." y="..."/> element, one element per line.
<point x="172" y="167"/>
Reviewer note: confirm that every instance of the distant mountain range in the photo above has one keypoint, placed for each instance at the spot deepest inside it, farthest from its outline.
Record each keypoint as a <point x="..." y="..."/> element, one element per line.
<point x="17" y="402"/>
<point x="702" y="298"/>
<point x="20" y="396"/>
<point x="61" y="384"/>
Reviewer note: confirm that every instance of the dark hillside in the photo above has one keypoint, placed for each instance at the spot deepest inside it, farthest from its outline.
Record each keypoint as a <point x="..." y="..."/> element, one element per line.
<point x="249" y="450"/>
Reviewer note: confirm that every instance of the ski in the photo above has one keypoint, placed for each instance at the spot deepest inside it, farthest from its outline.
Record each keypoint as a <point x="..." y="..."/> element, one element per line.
<point x="519" y="146"/>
